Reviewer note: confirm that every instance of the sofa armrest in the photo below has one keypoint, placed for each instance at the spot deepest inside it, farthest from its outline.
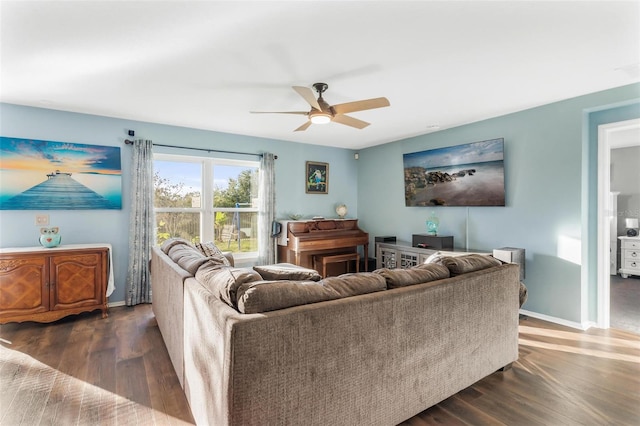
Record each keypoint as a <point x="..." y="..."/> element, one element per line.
<point x="167" y="280"/>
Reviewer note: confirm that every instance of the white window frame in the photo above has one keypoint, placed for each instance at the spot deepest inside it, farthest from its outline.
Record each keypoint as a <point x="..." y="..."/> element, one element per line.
<point x="207" y="210"/>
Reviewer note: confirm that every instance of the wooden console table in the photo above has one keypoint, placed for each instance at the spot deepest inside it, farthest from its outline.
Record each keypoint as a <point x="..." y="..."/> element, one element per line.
<point x="46" y="284"/>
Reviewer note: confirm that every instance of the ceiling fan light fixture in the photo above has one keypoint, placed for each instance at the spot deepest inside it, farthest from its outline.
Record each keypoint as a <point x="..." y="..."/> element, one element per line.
<point x="320" y="118"/>
<point x="322" y="113"/>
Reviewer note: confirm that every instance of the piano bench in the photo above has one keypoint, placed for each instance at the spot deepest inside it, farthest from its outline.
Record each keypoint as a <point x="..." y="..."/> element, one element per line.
<point x="320" y="262"/>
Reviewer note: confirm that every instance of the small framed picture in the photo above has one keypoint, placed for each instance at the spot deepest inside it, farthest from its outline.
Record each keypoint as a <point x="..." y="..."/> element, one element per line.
<point x="317" y="178"/>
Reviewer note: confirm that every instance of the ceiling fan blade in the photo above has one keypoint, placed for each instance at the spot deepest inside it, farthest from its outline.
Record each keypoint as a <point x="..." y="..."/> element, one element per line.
<point x="350" y="121"/>
<point x="303" y="127"/>
<point x="308" y="96"/>
<point x="280" y="112"/>
<point x="360" y="105"/>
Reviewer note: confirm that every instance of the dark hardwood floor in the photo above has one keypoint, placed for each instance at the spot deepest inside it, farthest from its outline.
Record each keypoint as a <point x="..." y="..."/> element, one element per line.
<point x="625" y="303"/>
<point x="88" y="371"/>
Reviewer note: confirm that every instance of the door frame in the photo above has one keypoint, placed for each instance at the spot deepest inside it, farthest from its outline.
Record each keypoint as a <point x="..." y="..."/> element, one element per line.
<point x="610" y="136"/>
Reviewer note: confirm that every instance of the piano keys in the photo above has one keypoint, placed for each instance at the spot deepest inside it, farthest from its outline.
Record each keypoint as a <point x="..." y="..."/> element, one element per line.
<point x="300" y="240"/>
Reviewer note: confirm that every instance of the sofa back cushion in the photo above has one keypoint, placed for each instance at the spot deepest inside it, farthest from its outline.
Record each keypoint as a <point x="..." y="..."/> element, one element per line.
<point x="353" y="284"/>
<point x="415" y="275"/>
<point x="459" y="265"/>
<point x="224" y="281"/>
<point x="264" y="296"/>
<point x="258" y="295"/>
<point x="287" y="271"/>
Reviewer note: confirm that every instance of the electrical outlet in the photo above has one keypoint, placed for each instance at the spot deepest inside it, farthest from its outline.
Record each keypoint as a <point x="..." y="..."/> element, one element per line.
<point x="42" y="219"/>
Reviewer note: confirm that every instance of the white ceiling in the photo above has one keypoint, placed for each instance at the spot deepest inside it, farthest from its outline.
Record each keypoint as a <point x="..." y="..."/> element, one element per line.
<point x="207" y="64"/>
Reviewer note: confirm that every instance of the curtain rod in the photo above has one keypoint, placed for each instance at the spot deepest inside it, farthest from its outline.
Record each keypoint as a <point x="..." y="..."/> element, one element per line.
<point x="130" y="142"/>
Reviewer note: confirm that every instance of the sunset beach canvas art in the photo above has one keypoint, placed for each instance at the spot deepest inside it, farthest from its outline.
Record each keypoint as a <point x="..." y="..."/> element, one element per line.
<point x="46" y="175"/>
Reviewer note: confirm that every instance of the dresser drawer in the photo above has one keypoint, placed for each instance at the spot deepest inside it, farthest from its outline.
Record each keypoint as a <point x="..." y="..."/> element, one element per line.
<point x="631" y="254"/>
<point x="632" y="264"/>
<point x="630" y="244"/>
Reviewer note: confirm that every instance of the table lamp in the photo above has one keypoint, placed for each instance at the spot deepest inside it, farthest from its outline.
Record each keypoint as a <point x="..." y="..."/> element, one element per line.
<point x="632" y="226"/>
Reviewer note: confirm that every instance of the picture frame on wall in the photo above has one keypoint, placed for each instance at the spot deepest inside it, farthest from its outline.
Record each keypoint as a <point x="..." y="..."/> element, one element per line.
<point x="317" y="177"/>
<point x="50" y="175"/>
<point x="471" y="174"/>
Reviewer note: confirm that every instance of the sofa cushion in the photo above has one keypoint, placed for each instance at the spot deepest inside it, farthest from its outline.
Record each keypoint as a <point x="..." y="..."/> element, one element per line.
<point x="187" y="257"/>
<point x="166" y="246"/>
<point x="287" y="271"/>
<point x="264" y="296"/>
<point x="223" y="281"/>
<point x="469" y="263"/>
<point x="210" y="250"/>
<point x="415" y="275"/>
<point x="353" y="284"/>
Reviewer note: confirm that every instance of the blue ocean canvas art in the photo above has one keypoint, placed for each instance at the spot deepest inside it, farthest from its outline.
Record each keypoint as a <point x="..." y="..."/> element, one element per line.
<point x="46" y="175"/>
<point x="463" y="175"/>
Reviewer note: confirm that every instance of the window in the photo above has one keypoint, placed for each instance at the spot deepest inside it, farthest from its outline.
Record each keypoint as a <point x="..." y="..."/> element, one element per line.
<point x="207" y="199"/>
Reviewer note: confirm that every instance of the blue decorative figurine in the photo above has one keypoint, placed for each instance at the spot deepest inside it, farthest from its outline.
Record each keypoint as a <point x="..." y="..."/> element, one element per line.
<point x="432" y="224"/>
<point x="49" y="237"/>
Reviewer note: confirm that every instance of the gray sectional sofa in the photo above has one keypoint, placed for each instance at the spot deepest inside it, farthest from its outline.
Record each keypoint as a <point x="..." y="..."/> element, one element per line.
<point x="277" y="345"/>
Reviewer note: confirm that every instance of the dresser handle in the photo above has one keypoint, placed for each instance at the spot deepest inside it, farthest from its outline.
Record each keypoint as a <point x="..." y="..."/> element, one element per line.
<point x="634" y="264"/>
<point x="634" y="254"/>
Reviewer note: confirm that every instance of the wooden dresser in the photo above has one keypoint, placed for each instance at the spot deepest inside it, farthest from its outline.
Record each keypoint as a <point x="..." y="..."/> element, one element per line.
<point x="44" y="285"/>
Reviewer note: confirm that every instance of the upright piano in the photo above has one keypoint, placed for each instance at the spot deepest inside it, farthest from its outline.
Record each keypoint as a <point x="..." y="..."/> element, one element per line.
<point x="300" y="240"/>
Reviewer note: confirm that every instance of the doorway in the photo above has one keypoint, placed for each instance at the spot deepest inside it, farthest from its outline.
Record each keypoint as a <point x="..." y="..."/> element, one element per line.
<point x="610" y="136"/>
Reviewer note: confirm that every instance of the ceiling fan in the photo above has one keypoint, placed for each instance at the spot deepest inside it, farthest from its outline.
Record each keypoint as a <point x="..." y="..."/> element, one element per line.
<point x="321" y="112"/>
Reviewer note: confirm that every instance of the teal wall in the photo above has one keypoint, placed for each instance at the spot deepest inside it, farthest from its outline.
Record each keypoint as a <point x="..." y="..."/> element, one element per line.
<point x="549" y="195"/>
<point x="550" y="179"/>
<point x="18" y="229"/>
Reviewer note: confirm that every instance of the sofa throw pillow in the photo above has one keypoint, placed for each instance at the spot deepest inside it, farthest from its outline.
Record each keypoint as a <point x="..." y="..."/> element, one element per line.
<point x="353" y="284"/>
<point x="436" y="257"/>
<point x="187" y="257"/>
<point x="210" y="250"/>
<point x="287" y="271"/>
<point x="469" y="263"/>
<point x="223" y="281"/>
<point x="171" y="242"/>
<point x="419" y="274"/>
<point x="522" y="296"/>
<point x="265" y="296"/>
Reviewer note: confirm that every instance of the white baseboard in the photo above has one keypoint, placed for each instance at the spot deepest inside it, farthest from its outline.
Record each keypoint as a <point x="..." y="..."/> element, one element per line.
<point x="114" y="304"/>
<point x="559" y="321"/>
